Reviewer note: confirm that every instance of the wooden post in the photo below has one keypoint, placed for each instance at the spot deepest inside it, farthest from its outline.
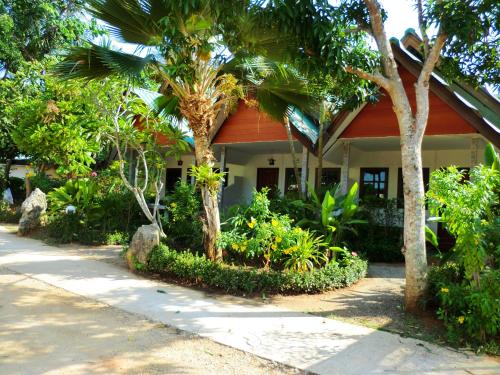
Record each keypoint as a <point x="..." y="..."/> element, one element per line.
<point x="344" y="171"/>
<point x="305" y="170"/>
<point x="192" y="177"/>
<point x="222" y="169"/>
<point x="474" y="149"/>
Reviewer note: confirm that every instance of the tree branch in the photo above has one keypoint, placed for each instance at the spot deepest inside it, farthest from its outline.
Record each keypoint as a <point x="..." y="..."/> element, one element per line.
<point x="422" y="23"/>
<point x="433" y="57"/>
<point x="377" y="78"/>
<point x="383" y="44"/>
<point x="422" y="85"/>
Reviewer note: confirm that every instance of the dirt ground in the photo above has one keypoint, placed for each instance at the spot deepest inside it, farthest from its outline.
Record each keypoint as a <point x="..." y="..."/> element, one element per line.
<point x="46" y="330"/>
<point x="376" y="302"/>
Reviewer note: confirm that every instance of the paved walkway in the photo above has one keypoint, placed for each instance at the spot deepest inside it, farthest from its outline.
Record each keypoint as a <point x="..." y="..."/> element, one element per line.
<point x="315" y="344"/>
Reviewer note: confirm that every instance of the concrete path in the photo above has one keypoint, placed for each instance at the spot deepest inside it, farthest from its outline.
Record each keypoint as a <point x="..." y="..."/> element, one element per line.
<point x="303" y="341"/>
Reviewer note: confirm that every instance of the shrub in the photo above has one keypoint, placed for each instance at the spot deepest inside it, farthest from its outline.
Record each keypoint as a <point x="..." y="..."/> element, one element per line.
<point x="468" y="289"/>
<point x="237" y="280"/>
<point x="471" y="314"/>
<point x="45" y="183"/>
<point x="8" y="214"/>
<point x="182" y="216"/>
<point x="382" y="238"/>
<point x="258" y="235"/>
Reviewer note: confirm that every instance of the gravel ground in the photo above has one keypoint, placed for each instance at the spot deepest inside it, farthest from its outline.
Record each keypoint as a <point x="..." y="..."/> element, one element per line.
<point x="46" y="330"/>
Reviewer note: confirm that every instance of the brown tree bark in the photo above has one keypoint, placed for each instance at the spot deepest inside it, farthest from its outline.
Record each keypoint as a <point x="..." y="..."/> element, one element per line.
<point x="211" y="216"/>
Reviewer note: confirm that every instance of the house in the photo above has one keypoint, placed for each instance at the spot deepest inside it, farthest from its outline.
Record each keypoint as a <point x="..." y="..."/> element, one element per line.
<point x="361" y="145"/>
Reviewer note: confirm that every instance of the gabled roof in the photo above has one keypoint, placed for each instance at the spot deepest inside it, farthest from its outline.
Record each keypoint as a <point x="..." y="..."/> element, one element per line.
<point x="480" y="109"/>
<point x="256" y="126"/>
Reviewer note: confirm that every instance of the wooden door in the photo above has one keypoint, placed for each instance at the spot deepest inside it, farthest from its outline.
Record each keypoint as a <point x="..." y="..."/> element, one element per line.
<point x="173" y="175"/>
<point x="267" y="177"/>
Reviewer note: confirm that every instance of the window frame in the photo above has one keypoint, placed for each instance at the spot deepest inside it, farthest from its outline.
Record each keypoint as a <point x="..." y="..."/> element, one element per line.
<point x="373" y="170"/>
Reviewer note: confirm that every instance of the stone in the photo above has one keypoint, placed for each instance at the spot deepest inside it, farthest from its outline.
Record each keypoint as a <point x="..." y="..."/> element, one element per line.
<point x="143" y="241"/>
<point x="32" y="211"/>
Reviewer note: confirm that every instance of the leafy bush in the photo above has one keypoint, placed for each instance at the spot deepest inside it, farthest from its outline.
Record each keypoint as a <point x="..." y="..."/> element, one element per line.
<point x="8" y="214"/>
<point x="104" y="213"/>
<point x="258" y="235"/>
<point x="471" y="314"/>
<point x="237" y="280"/>
<point x="382" y="238"/>
<point x="468" y="286"/>
<point x="182" y="216"/>
<point x="45" y="183"/>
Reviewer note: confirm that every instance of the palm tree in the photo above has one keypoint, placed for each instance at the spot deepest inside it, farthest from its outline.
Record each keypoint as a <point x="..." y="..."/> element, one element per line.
<point x="197" y="75"/>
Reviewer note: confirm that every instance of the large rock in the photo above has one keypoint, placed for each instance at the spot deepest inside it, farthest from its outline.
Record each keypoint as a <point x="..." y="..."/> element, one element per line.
<point x="143" y="241"/>
<point x="32" y="210"/>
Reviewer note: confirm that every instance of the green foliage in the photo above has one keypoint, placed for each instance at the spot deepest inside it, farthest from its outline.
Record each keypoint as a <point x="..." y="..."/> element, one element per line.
<point x="105" y="211"/>
<point x="44" y="182"/>
<point x="468" y="210"/>
<point x="468" y="287"/>
<point x="206" y="177"/>
<point x="31" y="29"/>
<point x="382" y="238"/>
<point x="471" y="314"/>
<point x="58" y="123"/>
<point x="181" y="220"/>
<point x="472" y="46"/>
<point x="244" y="280"/>
<point x="334" y="215"/>
<point x="81" y="193"/>
<point x="257" y="235"/>
<point x="8" y="214"/>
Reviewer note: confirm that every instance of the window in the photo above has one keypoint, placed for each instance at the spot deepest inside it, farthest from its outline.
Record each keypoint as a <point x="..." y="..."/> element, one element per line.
<point x="425" y="172"/>
<point x="329" y="176"/>
<point x="173" y="175"/>
<point x="291" y="184"/>
<point x="374" y="182"/>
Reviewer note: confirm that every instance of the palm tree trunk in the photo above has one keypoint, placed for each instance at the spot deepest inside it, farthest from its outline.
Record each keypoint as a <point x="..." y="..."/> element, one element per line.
<point x="211" y="216"/>
<point x="294" y="155"/>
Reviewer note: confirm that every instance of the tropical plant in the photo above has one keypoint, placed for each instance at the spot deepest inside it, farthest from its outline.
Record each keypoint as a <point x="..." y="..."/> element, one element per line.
<point x="80" y="193"/>
<point x="462" y="36"/>
<point x="334" y="215"/>
<point x="181" y="219"/>
<point x="198" y="80"/>
<point x="135" y="131"/>
<point x="469" y="212"/>
<point x="306" y="254"/>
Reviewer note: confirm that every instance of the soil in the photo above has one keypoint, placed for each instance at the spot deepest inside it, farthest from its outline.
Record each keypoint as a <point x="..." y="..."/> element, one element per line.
<point x="46" y="330"/>
<point x="376" y="302"/>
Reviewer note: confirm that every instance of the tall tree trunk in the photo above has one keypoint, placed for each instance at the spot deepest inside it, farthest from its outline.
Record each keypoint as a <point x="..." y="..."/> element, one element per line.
<point x="414" y="222"/>
<point x="294" y="156"/>
<point x="211" y="216"/>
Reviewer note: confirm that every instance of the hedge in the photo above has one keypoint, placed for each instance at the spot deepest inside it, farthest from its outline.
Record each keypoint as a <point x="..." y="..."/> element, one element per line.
<point x="244" y="280"/>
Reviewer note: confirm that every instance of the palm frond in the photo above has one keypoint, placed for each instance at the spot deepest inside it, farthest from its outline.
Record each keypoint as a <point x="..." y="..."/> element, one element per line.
<point x="132" y="21"/>
<point x="162" y="105"/>
<point x="99" y="62"/>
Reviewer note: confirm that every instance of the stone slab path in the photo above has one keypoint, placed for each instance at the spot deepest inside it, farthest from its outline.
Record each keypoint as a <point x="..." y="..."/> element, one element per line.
<point x="307" y="342"/>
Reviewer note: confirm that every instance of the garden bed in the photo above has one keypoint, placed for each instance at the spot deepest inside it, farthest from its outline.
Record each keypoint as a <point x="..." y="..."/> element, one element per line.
<point x="240" y="280"/>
